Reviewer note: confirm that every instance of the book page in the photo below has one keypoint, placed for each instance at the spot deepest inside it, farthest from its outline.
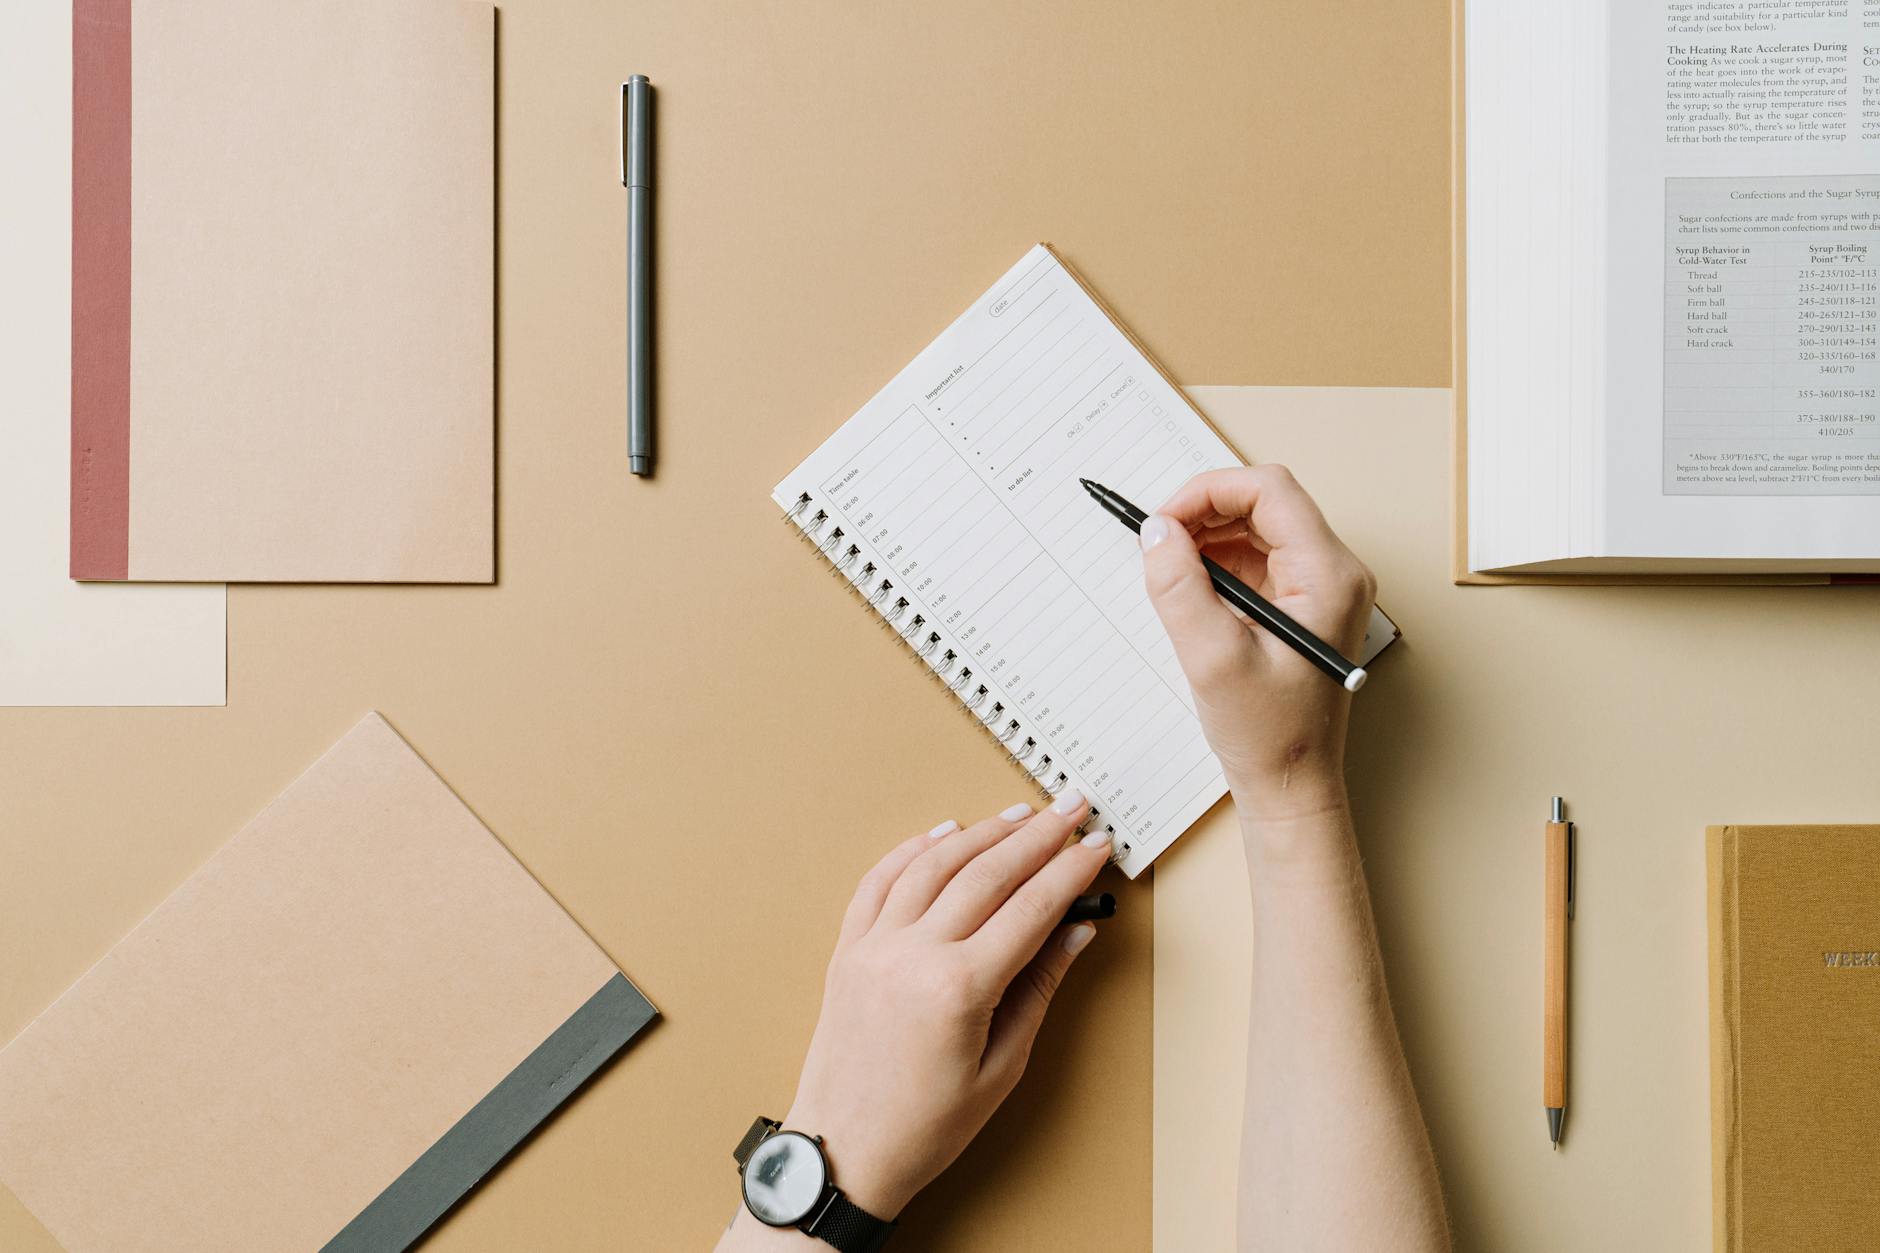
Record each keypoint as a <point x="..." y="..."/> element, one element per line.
<point x="1534" y="163"/>
<point x="952" y="502"/>
<point x="1743" y="397"/>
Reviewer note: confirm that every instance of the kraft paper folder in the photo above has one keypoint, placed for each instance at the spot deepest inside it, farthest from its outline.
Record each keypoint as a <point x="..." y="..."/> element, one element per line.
<point x="283" y="285"/>
<point x="324" y="1038"/>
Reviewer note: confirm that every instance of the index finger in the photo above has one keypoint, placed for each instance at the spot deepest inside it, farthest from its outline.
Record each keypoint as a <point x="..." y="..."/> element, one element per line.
<point x="1278" y="511"/>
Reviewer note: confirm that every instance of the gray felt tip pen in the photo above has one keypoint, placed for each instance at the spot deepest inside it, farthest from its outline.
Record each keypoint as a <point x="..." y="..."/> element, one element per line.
<point x="636" y="175"/>
<point x="1090" y="908"/>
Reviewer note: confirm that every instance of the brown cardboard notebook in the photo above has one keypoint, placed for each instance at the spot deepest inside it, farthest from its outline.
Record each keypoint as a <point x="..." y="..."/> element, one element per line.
<point x="283" y="290"/>
<point x="322" y="1040"/>
<point x="1795" y="1038"/>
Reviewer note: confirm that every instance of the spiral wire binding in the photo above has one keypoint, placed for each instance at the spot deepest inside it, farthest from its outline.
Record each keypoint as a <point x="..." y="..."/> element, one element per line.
<point x="875" y="590"/>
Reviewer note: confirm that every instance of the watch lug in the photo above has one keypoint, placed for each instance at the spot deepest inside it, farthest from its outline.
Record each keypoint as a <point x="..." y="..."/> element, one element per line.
<point x="761" y="1130"/>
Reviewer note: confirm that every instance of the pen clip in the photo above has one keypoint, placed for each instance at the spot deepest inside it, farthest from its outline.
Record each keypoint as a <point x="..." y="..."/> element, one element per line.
<point x="623" y="134"/>
<point x="636" y="133"/>
<point x="1572" y="857"/>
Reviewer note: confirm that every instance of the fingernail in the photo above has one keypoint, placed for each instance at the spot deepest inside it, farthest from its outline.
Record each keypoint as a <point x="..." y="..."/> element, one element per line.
<point x="1154" y="531"/>
<point x="1069" y="801"/>
<point x="946" y="828"/>
<point x="1096" y="839"/>
<point x="1078" y="936"/>
<point x="1020" y="810"/>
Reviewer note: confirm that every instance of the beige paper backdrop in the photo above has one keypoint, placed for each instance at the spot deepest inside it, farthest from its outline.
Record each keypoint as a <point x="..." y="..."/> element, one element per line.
<point x="1654" y="711"/>
<point x="681" y="726"/>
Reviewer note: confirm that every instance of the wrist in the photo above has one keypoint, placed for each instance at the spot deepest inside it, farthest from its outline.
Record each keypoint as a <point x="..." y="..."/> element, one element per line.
<point x="1306" y="833"/>
<point x="855" y="1167"/>
<point x="1301" y="792"/>
<point x="745" y="1232"/>
<point x="1280" y="774"/>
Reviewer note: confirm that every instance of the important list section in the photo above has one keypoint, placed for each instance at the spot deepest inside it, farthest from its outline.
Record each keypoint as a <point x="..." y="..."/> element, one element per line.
<point x="958" y="487"/>
<point x="1772" y="336"/>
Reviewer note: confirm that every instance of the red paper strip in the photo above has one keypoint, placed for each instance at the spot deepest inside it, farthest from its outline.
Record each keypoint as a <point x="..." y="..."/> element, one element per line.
<point x="101" y="288"/>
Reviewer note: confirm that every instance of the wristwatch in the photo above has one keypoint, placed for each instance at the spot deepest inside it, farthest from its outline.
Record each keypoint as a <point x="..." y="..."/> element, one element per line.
<point x="786" y="1184"/>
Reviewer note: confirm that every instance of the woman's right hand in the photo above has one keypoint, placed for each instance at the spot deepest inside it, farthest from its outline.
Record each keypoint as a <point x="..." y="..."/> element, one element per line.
<point x="1275" y="721"/>
<point x="1328" y="1095"/>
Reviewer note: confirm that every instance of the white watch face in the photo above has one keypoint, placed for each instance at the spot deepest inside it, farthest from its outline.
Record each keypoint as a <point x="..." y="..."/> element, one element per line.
<point x="784" y="1179"/>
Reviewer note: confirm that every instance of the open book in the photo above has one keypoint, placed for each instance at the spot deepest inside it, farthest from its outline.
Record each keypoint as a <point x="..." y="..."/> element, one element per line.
<point x="950" y="504"/>
<point x="1672" y="293"/>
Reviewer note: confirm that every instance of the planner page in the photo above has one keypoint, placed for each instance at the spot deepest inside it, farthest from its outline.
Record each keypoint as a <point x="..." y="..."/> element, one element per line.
<point x="951" y="502"/>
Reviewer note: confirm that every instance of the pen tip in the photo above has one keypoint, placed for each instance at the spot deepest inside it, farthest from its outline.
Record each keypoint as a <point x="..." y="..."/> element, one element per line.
<point x="1089" y="486"/>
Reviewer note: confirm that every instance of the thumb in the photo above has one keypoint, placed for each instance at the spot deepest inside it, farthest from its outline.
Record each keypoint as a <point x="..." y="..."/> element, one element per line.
<point x="1210" y="641"/>
<point x="1021" y="1012"/>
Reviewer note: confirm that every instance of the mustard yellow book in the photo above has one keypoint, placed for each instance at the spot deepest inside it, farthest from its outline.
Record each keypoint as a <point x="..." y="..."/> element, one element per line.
<point x="1795" y="1038"/>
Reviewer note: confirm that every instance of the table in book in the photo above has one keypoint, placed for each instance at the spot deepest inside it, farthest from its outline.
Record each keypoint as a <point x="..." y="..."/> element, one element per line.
<point x="1673" y="288"/>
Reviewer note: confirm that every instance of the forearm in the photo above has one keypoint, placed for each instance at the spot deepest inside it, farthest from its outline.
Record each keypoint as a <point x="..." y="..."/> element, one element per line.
<point x="1334" y="1154"/>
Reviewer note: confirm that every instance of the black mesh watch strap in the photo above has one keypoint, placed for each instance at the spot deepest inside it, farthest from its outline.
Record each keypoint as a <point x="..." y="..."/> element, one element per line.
<point x="848" y="1227"/>
<point x="752" y="1138"/>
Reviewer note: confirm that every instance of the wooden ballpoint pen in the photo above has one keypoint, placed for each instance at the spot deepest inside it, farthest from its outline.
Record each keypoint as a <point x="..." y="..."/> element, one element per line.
<point x="1554" y="977"/>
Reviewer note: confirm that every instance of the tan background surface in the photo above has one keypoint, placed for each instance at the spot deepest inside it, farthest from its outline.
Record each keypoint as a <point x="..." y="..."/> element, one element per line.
<point x="679" y="725"/>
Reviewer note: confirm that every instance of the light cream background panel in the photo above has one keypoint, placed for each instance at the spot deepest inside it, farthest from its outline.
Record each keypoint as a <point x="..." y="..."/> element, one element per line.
<point x="311" y="290"/>
<point x="1654" y="711"/>
<point x="188" y="1074"/>
<point x="65" y="643"/>
<point x="700" y="757"/>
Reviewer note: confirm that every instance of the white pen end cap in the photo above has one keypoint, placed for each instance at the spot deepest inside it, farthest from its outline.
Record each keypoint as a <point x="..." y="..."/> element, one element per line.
<point x="1355" y="679"/>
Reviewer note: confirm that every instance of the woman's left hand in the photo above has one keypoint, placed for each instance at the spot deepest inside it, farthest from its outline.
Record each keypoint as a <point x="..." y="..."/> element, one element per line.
<point x="947" y="958"/>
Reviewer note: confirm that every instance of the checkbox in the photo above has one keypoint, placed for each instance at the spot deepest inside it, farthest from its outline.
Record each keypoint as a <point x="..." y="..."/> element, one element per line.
<point x="1158" y="411"/>
<point x="1169" y="425"/>
<point x="1142" y="395"/>
<point x="1184" y="441"/>
<point x="1197" y="455"/>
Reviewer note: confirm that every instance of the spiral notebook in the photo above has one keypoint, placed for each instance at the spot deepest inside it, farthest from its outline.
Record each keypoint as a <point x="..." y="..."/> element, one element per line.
<point x="951" y="506"/>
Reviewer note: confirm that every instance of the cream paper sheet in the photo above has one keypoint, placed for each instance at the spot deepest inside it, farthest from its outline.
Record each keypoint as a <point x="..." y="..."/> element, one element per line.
<point x="65" y="643"/>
